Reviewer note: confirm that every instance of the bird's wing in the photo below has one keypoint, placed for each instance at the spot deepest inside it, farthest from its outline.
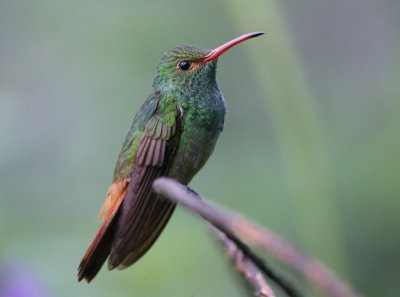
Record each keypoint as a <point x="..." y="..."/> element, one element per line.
<point x="159" y="217"/>
<point x="155" y="152"/>
<point x="135" y="171"/>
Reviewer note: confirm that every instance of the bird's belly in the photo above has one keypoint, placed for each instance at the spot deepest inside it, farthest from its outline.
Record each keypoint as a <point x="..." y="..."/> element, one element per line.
<point x="194" y="150"/>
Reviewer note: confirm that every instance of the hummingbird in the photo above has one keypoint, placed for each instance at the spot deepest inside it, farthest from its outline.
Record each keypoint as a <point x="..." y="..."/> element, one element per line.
<point x="173" y="134"/>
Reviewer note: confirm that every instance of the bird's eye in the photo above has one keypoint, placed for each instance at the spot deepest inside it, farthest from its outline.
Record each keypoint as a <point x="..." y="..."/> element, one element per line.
<point x="184" y="65"/>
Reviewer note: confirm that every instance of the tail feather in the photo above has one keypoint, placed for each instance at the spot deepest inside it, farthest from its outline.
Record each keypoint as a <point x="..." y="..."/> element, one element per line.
<point x="101" y="245"/>
<point x="97" y="252"/>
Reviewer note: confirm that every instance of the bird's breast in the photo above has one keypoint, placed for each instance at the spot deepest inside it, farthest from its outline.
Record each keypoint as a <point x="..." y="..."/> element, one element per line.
<point x="200" y="130"/>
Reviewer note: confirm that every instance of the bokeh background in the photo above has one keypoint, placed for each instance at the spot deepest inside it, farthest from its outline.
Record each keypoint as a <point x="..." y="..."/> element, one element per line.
<point x="311" y="146"/>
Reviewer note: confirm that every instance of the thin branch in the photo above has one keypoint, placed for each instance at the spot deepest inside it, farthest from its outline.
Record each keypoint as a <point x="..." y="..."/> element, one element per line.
<point x="244" y="265"/>
<point x="253" y="257"/>
<point x="233" y="223"/>
<point x="260" y="264"/>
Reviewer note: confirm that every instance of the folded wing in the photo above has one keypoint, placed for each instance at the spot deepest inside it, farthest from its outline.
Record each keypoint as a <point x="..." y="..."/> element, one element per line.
<point x="133" y="215"/>
<point x="154" y="154"/>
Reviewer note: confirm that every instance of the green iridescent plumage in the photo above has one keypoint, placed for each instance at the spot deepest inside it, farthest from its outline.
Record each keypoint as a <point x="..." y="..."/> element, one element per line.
<point x="194" y="93"/>
<point x="173" y="134"/>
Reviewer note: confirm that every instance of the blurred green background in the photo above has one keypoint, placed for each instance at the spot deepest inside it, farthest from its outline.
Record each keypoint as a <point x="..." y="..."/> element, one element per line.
<point x="311" y="146"/>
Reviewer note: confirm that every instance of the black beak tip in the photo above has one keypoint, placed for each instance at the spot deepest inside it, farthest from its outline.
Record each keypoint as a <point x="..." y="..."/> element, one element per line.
<point x="255" y="34"/>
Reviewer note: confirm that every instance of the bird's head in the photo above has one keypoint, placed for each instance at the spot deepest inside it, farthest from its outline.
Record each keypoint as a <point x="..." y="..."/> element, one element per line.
<point x="186" y="67"/>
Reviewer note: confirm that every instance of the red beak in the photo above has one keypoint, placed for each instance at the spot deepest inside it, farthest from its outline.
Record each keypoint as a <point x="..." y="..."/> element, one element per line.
<point x="215" y="53"/>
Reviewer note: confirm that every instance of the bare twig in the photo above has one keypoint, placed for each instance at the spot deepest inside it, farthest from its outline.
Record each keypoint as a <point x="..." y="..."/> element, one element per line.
<point x="244" y="265"/>
<point x="259" y="263"/>
<point x="233" y="223"/>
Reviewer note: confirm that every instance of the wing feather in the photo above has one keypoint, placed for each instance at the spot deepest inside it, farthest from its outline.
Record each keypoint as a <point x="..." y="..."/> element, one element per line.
<point x="153" y="157"/>
<point x="130" y="193"/>
<point x="159" y="217"/>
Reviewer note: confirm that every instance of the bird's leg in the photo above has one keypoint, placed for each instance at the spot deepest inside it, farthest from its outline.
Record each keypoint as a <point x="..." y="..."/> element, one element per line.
<point x="189" y="189"/>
